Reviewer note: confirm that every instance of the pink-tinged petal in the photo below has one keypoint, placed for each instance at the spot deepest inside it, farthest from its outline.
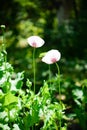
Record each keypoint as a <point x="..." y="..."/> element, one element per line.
<point x="51" y="56"/>
<point x="35" y="41"/>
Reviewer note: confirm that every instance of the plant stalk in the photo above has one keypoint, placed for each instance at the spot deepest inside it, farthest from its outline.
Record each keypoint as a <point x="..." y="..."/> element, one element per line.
<point x="49" y="76"/>
<point x="59" y="91"/>
<point x="34" y="68"/>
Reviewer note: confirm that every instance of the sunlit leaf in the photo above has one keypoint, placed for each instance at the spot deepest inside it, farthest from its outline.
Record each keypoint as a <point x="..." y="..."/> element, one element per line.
<point x="9" y="98"/>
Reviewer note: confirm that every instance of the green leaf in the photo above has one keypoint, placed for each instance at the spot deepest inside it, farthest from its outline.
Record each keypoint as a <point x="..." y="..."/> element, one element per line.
<point x="3" y="115"/>
<point x="19" y="79"/>
<point x="19" y="84"/>
<point x="45" y="94"/>
<point x="1" y="98"/>
<point x="78" y="94"/>
<point x="2" y="26"/>
<point x="28" y="83"/>
<point x="42" y="54"/>
<point x="1" y="74"/>
<point x="9" y="98"/>
<point x="4" y="127"/>
<point x="16" y="127"/>
<point x="84" y="83"/>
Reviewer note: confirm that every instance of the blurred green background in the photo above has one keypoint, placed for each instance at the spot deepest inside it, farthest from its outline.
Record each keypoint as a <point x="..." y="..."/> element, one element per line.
<point x="61" y="23"/>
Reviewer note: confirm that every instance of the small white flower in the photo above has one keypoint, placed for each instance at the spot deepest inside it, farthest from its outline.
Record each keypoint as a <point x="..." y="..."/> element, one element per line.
<point x="51" y="56"/>
<point x="35" y="41"/>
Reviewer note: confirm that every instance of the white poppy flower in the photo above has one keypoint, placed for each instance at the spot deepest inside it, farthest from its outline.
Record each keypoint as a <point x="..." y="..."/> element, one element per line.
<point x="51" y="56"/>
<point x="35" y="41"/>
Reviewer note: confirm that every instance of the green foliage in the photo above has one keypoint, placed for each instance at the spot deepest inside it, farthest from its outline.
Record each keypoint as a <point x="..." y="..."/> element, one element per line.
<point x="23" y="109"/>
<point x="20" y="107"/>
<point x="80" y="98"/>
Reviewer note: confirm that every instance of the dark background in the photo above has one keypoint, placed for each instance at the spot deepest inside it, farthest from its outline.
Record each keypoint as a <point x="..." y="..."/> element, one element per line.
<point x="61" y="23"/>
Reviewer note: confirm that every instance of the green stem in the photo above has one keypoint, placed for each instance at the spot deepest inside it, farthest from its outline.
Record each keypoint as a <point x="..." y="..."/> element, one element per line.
<point x="49" y="76"/>
<point x="3" y="43"/>
<point x="34" y="65"/>
<point x="56" y="127"/>
<point x="59" y="82"/>
<point x="32" y="127"/>
<point x="9" y="118"/>
<point x="3" y="28"/>
<point x="59" y="91"/>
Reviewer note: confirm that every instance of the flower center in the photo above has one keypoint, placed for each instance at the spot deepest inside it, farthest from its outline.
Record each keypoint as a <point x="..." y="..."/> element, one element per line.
<point x="53" y="60"/>
<point x="34" y="44"/>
